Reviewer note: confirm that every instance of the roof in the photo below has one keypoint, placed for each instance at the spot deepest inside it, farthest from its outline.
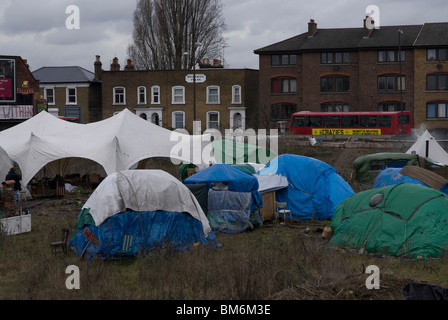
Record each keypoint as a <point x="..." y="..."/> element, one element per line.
<point x="428" y="34"/>
<point x="69" y="74"/>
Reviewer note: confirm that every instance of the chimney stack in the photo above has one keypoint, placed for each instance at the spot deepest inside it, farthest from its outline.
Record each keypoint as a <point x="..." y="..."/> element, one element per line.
<point x="98" y="67"/>
<point x="312" y="28"/>
<point x="129" y="66"/>
<point x="369" y="26"/>
<point x="115" y="66"/>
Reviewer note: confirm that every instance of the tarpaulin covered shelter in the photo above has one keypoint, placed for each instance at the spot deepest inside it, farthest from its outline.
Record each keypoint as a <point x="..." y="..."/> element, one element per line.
<point x="315" y="188"/>
<point x="404" y="220"/>
<point x="116" y="143"/>
<point x="411" y="174"/>
<point x="152" y="206"/>
<point x="233" y="197"/>
<point x="369" y="166"/>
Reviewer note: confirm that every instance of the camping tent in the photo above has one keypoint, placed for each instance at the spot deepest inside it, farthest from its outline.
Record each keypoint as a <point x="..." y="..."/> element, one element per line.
<point x="314" y="190"/>
<point x="411" y="174"/>
<point x="150" y="205"/>
<point x="116" y="143"/>
<point x="403" y="220"/>
<point x="233" y="197"/>
<point x="369" y="166"/>
<point x="5" y="164"/>
<point x="426" y="146"/>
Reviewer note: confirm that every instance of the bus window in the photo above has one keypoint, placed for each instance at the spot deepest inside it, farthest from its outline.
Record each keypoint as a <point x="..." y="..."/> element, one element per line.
<point x="332" y="121"/>
<point x="367" y="121"/>
<point x="349" y="122"/>
<point x="384" y="121"/>
<point x="403" y="119"/>
<point x="298" y="121"/>
<point x="314" y="121"/>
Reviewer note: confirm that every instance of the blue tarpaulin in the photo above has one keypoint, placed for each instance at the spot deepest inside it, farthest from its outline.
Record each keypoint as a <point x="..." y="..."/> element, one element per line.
<point x="392" y="176"/>
<point x="236" y="179"/>
<point x="315" y="188"/>
<point x="150" y="230"/>
<point x="229" y="188"/>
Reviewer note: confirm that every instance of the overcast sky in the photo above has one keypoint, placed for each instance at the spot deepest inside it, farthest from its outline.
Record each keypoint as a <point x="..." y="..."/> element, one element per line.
<point x="36" y="29"/>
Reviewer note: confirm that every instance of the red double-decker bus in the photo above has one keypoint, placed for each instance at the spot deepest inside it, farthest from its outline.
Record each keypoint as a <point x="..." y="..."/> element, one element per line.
<point x="351" y="123"/>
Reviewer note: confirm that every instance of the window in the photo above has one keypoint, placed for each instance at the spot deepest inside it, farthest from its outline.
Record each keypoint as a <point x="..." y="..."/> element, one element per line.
<point x="71" y="96"/>
<point x="178" y="120"/>
<point x="437" y="81"/>
<point x="335" y="106"/>
<point x="335" y="84"/>
<point x="349" y="122"/>
<point x="155" y="95"/>
<point x="72" y="112"/>
<point x="391" y="106"/>
<point x="49" y="95"/>
<point x="437" y="109"/>
<point x="236" y="95"/>
<point x="391" y="56"/>
<point x="213" y="95"/>
<point x="332" y="121"/>
<point x="283" y="59"/>
<point x="178" y="93"/>
<point x="282" y="111"/>
<point x="391" y="83"/>
<point x="141" y="95"/>
<point x="298" y="121"/>
<point x="368" y="121"/>
<point x="213" y="120"/>
<point x="334" y="57"/>
<point x="440" y="54"/>
<point x="384" y="121"/>
<point x="119" y="95"/>
<point x="284" y="85"/>
<point x="314" y="121"/>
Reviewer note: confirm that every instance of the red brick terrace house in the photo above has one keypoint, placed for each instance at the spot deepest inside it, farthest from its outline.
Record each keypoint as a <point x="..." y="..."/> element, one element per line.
<point x="357" y="69"/>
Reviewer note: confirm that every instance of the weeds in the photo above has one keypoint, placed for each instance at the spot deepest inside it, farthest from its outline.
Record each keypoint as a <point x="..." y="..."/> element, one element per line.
<point x="272" y="262"/>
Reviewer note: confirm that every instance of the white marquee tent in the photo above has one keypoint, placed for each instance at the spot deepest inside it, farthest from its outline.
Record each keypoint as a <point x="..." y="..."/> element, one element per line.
<point x="427" y="146"/>
<point x="116" y="143"/>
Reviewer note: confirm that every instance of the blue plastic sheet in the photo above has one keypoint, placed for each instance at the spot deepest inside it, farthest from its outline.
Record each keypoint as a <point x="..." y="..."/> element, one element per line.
<point x="150" y="229"/>
<point x="315" y="188"/>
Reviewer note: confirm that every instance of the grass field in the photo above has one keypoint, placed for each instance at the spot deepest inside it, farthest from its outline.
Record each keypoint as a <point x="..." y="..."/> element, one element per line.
<point x="274" y="262"/>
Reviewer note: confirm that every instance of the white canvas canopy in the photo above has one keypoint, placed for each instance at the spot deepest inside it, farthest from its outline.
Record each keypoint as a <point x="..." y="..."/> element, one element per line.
<point x="427" y="146"/>
<point x="143" y="190"/>
<point x="116" y="143"/>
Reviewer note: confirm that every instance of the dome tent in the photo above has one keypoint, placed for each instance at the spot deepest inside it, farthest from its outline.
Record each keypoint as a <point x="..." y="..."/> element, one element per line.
<point x="151" y="205"/>
<point x="315" y="188"/>
<point x="403" y="220"/>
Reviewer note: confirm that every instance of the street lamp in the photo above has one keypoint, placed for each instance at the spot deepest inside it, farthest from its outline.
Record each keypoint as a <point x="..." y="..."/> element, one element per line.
<point x="400" y="32"/>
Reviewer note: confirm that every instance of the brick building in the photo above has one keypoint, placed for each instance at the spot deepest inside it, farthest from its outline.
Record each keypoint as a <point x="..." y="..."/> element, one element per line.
<point x="19" y="91"/>
<point x="357" y="69"/>
<point x="71" y="91"/>
<point x="225" y="98"/>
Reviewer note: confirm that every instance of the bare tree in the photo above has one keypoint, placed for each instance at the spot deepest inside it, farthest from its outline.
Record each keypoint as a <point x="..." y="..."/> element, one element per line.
<point x="174" y="34"/>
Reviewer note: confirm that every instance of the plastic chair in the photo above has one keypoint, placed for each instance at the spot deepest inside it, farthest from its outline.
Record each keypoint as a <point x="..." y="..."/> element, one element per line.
<point x="60" y="244"/>
<point x="280" y="208"/>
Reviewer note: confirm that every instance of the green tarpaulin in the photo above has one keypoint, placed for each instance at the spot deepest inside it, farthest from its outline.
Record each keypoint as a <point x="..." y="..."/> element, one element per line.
<point x="369" y="166"/>
<point x="404" y="220"/>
